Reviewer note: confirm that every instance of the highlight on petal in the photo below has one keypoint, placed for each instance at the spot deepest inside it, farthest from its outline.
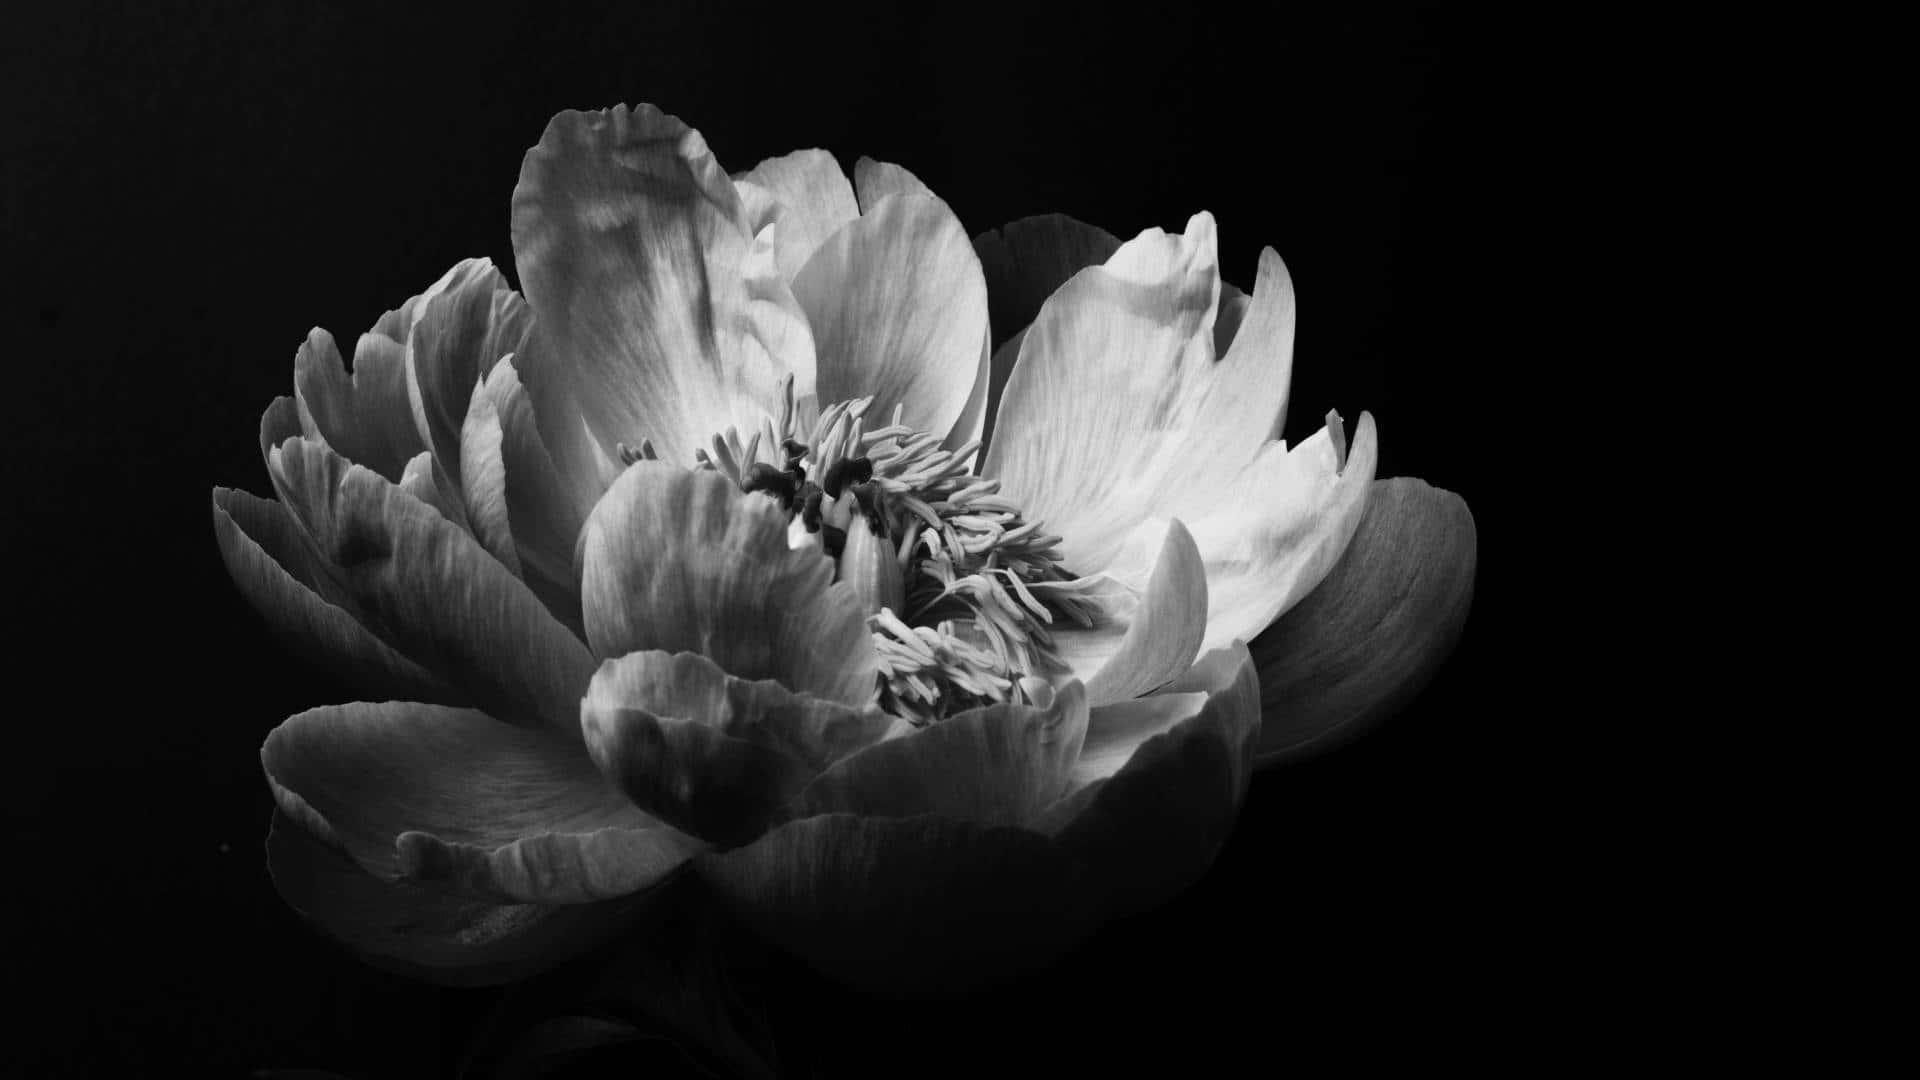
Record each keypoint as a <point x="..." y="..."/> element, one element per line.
<point x="917" y="904"/>
<point x="875" y="181"/>
<point x="433" y="593"/>
<point x="1362" y="645"/>
<point x="365" y="418"/>
<point x="898" y="308"/>
<point x="269" y="561"/>
<point x="428" y="933"/>
<point x="1151" y="828"/>
<point x="713" y="754"/>
<point x="813" y="197"/>
<point x="1139" y="647"/>
<point x="1000" y="764"/>
<point x="455" y="798"/>
<point x="684" y="561"/>
<point x="653" y="318"/>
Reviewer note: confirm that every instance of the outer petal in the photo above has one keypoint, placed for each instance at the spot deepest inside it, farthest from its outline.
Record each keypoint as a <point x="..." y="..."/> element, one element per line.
<point x="545" y="523"/>
<point x="433" y="593"/>
<point x="1127" y="655"/>
<point x="905" y="904"/>
<point x="429" y="933"/>
<point x="652" y="318"/>
<point x="463" y="326"/>
<point x="898" y="308"/>
<point x="1117" y="409"/>
<point x="814" y="199"/>
<point x="714" y="754"/>
<point x="483" y="479"/>
<point x="876" y="180"/>
<point x="453" y="796"/>
<point x="1001" y="764"/>
<point x="365" y="418"/>
<point x="269" y="562"/>
<point x="1153" y="827"/>
<point x="1363" y="644"/>
<point x="1280" y="528"/>
<point x="683" y="561"/>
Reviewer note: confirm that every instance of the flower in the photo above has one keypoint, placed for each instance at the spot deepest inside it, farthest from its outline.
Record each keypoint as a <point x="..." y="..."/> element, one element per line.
<point x="691" y="559"/>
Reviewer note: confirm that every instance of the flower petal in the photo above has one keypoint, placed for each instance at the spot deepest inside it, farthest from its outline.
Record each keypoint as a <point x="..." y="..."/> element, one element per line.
<point x="684" y="561"/>
<point x="1363" y="644"/>
<point x="713" y="754"/>
<point x="1000" y="764"/>
<point x="1124" y="657"/>
<point x="450" y="796"/>
<point x="269" y="561"/>
<point x="1280" y="528"/>
<point x="875" y="180"/>
<point x="432" y="592"/>
<point x="1168" y="427"/>
<point x="905" y="904"/>
<point x="814" y="199"/>
<point x="483" y="479"/>
<point x="1153" y="827"/>
<point x="651" y="319"/>
<point x="428" y="933"/>
<point x="466" y="322"/>
<point x="898" y="308"/>
<point x="365" y="418"/>
<point x="545" y="523"/>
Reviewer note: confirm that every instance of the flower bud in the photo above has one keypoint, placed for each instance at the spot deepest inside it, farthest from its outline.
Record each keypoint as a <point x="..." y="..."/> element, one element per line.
<point x="869" y="564"/>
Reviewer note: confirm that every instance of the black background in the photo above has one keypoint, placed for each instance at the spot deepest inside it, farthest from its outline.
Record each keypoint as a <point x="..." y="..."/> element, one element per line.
<point x="190" y="187"/>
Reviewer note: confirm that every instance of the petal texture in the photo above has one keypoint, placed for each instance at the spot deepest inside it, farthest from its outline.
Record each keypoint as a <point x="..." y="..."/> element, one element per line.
<point x="683" y="561"/>
<point x="366" y="417"/>
<point x="653" y="320"/>
<point x="1363" y="644"/>
<point x="462" y="327"/>
<point x="814" y="199"/>
<point x="1139" y="646"/>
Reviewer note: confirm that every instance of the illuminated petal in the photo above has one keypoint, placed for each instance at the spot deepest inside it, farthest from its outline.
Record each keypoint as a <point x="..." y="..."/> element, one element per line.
<point x="653" y="318"/>
<point x="875" y="180"/>
<point x="1363" y="644"/>
<point x="999" y="764"/>
<point x="463" y="325"/>
<point x="454" y="797"/>
<point x="483" y="479"/>
<point x="545" y="523"/>
<point x="433" y="593"/>
<point x="898" y="309"/>
<point x="1137" y="648"/>
<point x="684" y="561"/>
<point x="814" y="200"/>
<point x="366" y="418"/>
<point x="270" y="563"/>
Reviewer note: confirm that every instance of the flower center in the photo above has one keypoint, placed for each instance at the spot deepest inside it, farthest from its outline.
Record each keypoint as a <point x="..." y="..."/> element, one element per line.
<point x="962" y="617"/>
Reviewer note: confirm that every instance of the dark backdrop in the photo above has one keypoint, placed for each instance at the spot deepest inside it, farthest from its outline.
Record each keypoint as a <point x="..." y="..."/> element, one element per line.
<point x="190" y="187"/>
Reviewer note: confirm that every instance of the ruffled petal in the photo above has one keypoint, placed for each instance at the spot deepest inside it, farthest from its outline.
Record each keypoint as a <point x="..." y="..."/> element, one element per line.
<point x="684" y="561"/>
<point x="1280" y="528"/>
<point x="898" y="308"/>
<point x="270" y="563"/>
<point x="365" y="418"/>
<point x="653" y="318"/>
<point x="1137" y="647"/>
<point x="875" y="180"/>
<point x="453" y="797"/>
<point x="921" y="904"/>
<point x="1117" y="409"/>
<point x="814" y="200"/>
<point x="714" y="754"/>
<point x="465" y="323"/>
<point x="1152" y="828"/>
<point x="1362" y="645"/>
<point x="429" y="590"/>
<point x="1000" y="764"/>
<point x="429" y="933"/>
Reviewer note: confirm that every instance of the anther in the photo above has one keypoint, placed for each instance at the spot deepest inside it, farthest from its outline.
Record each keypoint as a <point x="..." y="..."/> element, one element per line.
<point x="775" y="482"/>
<point x="857" y="470"/>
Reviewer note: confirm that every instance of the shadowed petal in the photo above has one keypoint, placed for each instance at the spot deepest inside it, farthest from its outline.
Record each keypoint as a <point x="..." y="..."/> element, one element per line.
<point x="875" y="180"/>
<point x="1000" y="764"/>
<point x="428" y="933"/>
<point x="905" y="904"/>
<point x="708" y="752"/>
<point x="366" y="418"/>
<point x="425" y="480"/>
<point x="544" y="522"/>
<point x="1130" y="653"/>
<point x="1362" y="645"/>
<point x="684" y="561"/>
<point x="1153" y="827"/>
<point x="652" y="318"/>
<point x="452" y="796"/>
<point x="432" y="592"/>
<point x="463" y="326"/>
<point x="814" y="200"/>
<point x="483" y="479"/>
<point x="898" y="309"/>
<point x="260" y="544"/>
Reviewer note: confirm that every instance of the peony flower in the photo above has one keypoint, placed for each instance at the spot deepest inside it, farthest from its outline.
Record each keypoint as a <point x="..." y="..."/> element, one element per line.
<point x="735" y="548"/>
